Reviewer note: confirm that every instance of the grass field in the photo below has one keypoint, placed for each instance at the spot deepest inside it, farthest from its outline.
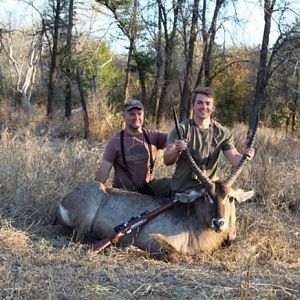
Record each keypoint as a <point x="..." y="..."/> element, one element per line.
<point x="39" y="261"/>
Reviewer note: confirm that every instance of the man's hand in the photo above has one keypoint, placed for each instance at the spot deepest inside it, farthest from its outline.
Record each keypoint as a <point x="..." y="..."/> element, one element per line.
<point x="173" y="151"/>
<point x="250" y="153"/>
<point x="180" y="145"/>
<point x="102" y="188"/>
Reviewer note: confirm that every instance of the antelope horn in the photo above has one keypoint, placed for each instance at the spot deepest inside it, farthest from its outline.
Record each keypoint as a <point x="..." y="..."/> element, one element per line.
<point x="238" y="169"/>
<point x="189" y="158"/>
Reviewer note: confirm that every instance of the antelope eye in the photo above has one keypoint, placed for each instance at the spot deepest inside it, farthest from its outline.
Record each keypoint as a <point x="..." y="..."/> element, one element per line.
<point x="231" y="199"/>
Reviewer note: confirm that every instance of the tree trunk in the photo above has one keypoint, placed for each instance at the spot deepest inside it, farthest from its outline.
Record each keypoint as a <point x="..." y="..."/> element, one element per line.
<point x="1" y="82"/>
<point x="127" y="72"/>
<point x="68" y="94"/>
<point x="185" y="99"/>
<point x="53" y="71"/>
<point x="142" y="75"/>
<point x="25" y="81"/>
<point x="167" y="82"/>
<point x="209" y="43"/>
<point x="68" y="79"/>
<point x="142" y="79"/>
<point x="169" y="49"/>
<point x="83" y="104"/>
<point x="297" y="89"/>
<point x="154" y="102"/>
<point x="131" y="34"/>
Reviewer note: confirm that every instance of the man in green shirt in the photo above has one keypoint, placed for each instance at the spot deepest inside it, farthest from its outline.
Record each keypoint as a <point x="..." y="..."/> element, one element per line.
<point x="205" y="138"/>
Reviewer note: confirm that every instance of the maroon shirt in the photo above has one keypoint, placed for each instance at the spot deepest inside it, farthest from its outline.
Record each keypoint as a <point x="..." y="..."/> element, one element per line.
<point x="137" y="156"/>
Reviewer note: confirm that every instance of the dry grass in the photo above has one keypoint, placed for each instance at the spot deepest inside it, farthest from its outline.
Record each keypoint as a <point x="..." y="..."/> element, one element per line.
<point x="39" y="261"/>
<point x="103" y="120"/>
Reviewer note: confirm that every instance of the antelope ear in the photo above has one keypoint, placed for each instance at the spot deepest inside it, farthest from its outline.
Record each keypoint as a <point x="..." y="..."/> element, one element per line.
<point x="241" y="196"/>
<point x="188" y="197"/>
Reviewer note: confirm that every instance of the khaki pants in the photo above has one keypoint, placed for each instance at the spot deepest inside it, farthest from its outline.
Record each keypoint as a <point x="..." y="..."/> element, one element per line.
<point x="161" y="187"/>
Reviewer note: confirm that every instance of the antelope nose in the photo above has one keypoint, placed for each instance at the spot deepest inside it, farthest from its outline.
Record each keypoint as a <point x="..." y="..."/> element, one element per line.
<point x="217" y="224"/>
<point x="221" y="223"/>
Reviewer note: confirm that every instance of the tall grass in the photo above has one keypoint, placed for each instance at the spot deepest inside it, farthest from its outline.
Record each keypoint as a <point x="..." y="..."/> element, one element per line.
<point x="103" y="121"/>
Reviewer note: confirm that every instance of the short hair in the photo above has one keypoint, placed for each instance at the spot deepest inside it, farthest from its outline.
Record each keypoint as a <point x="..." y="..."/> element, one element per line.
<point x="207" y="91"/>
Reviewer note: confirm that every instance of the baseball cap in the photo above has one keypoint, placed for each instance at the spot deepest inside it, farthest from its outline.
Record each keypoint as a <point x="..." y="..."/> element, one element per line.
<point x="133" y="103"/>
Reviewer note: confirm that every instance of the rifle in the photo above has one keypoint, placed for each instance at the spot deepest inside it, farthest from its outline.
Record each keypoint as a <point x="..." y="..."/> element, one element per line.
<point x="127" y="227"/>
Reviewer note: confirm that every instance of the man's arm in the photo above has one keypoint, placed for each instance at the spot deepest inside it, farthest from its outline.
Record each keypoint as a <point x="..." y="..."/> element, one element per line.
<point x="234" y="156"/>
<point x="173" y="151"/>
<point x="103" y="172"/>
<point x="161" y="140"/>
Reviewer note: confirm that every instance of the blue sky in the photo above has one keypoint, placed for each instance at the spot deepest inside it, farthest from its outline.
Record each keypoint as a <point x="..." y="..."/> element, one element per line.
<point x="249" y="32"/>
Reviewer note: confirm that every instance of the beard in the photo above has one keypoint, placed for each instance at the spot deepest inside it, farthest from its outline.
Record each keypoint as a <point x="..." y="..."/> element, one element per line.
<point x="135" y="125"/>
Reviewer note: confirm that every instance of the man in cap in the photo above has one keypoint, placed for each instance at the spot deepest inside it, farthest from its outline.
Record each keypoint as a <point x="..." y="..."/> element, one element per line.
<point x="132" y="153"/>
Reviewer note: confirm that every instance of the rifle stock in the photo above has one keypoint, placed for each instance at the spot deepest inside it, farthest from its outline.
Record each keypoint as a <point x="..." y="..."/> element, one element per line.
<point x="102" y="244"/>
<point x="127" y="227"/>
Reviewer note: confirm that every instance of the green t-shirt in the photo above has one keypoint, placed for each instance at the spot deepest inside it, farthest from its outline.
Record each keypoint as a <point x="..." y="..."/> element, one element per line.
<point x="205" y="146"/>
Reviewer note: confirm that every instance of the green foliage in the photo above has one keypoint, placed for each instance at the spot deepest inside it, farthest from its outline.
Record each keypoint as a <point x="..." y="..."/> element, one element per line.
<point x="101" y="66"/>
<point x="234" y="91"/>
<point x="282" y="117"/>
<point x="144" y="61"/>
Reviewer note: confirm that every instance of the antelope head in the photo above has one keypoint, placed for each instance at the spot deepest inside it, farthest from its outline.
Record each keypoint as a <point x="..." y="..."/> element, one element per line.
<point x="221" y="197"/>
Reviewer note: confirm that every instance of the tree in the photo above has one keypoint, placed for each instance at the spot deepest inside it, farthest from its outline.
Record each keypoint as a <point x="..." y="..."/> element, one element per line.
<point x="169" y="40"/>
<point x="56" y="9"/>
<point x="282" y="93"/>
<point x="99" y="67"/>
<point x="83" y="104"/>
<point x="68" y="60"/>
<point x="156" y="89"/>
<point x="208" y="38"/>
<point x="185" y="96"/>
<point x="25" y="76"/>
<point x="144" y="65"/>
<point x="269" y="60"/>
<point x="126" y="15"/>
<point x="233" y="85"/>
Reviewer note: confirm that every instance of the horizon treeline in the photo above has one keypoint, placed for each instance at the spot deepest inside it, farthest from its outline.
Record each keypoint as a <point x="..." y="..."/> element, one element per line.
<point x="58" y="62"/>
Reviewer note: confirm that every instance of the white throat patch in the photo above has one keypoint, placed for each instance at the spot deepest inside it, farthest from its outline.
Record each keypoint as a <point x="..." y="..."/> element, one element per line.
<point x="65" y="215"/>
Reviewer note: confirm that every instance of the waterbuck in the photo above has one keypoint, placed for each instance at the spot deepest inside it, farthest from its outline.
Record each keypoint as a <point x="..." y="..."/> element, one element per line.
<point x="198" y="221"/>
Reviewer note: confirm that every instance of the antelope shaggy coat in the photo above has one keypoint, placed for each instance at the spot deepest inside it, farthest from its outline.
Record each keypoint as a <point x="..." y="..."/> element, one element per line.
<point x="187" y="228"/>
